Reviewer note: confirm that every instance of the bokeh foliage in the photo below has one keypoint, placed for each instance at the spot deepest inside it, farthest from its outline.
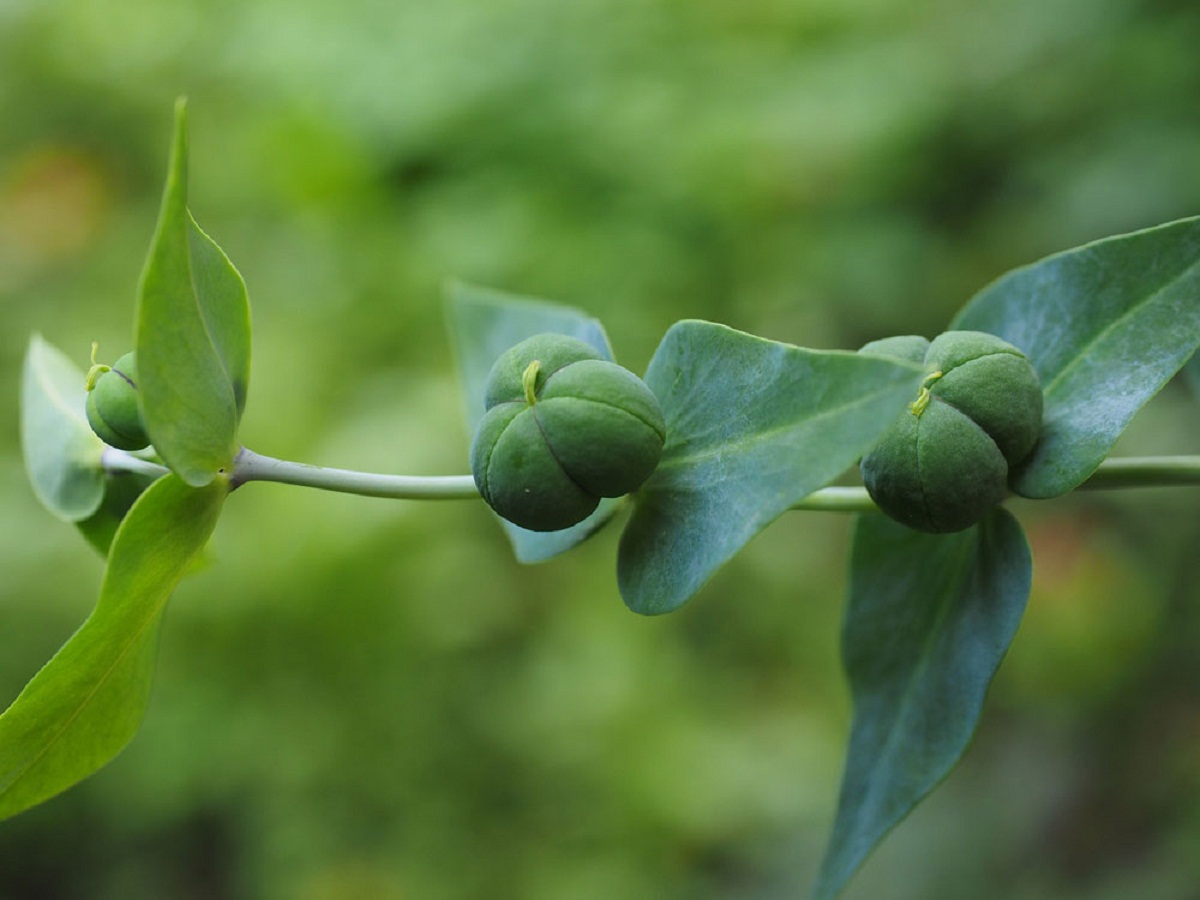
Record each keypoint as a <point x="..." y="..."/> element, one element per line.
<point x="372" y="697"/>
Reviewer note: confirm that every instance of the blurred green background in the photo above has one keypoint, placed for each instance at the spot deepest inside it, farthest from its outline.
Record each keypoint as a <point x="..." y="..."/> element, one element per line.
<point x="370" y="699"/>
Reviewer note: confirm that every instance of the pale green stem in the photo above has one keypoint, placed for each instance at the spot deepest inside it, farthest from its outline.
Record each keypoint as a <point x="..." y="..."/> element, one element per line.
<point x="251" y="466"/>
<point x="1144" y="471"/>
<point x="114" y="460"/>
<point x="1126" y="472"/>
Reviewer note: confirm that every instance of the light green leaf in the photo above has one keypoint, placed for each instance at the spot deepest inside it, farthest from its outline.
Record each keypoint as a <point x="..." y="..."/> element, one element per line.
<point x="62" y="453"/>
<point x="85" y="704"/>
<point x="221" y="293"/>
<point x="483" y="324"/>
<point x="1106" y="326"/>
<point x="188" y="399"/>
<point x="753" y="426"/>
<point x="929" y="618"/>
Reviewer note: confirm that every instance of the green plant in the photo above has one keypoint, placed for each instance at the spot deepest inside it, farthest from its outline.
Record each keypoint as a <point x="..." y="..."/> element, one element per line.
<point x="753" y="428"/>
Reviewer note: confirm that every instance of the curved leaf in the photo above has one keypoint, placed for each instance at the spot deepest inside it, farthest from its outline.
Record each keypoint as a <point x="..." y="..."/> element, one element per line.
<point x="483" y="324"/>
<point x="62" y="453"/>
<point x="753" y="426"/>
<point x="188" y="399"/>
<point x="87" y="702"/>
<point x="929" y="618"/>
<point x="1106" y="326"/>
<point x="221" y="294"/>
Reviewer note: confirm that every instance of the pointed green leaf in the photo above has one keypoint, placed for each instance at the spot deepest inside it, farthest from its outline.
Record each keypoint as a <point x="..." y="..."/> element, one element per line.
<point x="929" y="618"/>
<point x="188" y="399"/>
<point x="1106" y="326"/>
<point x="87" y="702"/>
<point x="483" y="324"/>
<point x="62" y="453"/>
<point x="753" y="426"/>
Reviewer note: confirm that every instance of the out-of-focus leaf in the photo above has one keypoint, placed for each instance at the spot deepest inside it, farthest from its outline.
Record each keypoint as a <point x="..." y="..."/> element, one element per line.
<point x="185" y="307"/>
<point x="85" y="704"/>
<point x="1106" y="326"/>
<point x="62" y="453"/>
<point x="753" y="426"/>
<point x="929" y="618"/>
<point x="483" y="324"/>
<point x="121" y="490"/>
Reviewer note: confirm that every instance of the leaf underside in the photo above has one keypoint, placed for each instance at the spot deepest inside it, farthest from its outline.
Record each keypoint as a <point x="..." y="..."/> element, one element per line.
<point x="61" y="452"/>
<point x="483" y="323"/>
<point x="753" y="426"/>
<point x="87" y="702"/>
<point x="1106" y="326"/>
<point x="928" y="620"/>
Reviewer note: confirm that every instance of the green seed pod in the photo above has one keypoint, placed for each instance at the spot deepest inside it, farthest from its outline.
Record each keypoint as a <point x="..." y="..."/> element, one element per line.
<point x="945" y="463"/>
<point x="563" y="428"/>
<point x="112" y="406"/>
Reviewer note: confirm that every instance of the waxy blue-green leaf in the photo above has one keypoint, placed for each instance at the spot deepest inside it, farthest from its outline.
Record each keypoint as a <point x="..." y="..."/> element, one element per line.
<point x="62" y="453"/>
<point x="483" y="324"/>
<point x="192" y="334"/>
<point x="753" y="426"/>
<point x="88" y="701"/>
<point x="929" y="618"/>
<point x="1106" y="326"/>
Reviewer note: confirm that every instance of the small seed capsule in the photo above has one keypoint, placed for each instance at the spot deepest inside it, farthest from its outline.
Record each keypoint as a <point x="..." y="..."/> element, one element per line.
<point x="112" y="406"/>
<point x="563" y="428"/>
<point x="946" y="462"/>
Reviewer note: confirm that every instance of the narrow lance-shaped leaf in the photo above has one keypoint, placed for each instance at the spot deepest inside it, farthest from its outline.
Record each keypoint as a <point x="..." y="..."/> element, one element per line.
<point x="929" y="618"/>
<point x="483" y="323"/>
<point x="753" y="426"/>
<point x="188" y="398"/>
<point x="87" y="702"/>
<point x="62" y="454"/>
<point x="1106" y="326"/>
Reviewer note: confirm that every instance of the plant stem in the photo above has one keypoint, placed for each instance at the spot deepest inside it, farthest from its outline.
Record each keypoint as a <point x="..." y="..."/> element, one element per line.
<point x="114" y="460"/>
<point x="1121" y="472"/>
<point x="1144" y="471"/>
<point x="251" y="466"/>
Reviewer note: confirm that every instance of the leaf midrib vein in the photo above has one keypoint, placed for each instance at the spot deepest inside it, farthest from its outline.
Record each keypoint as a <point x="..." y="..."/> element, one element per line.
<point x="743" y="444"/>
<point x="1100" y="335"/>
<point x="100" y="683"/>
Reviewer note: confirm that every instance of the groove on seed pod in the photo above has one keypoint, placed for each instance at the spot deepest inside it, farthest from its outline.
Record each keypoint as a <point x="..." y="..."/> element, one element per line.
<point x="946" y="461"/>
<point x="112" y="404"/>
<point x="563" y="428"/>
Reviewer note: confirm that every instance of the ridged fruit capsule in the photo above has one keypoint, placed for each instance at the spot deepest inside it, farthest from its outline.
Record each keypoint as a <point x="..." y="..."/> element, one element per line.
<point x="563" y="428"/>
<point x="946" y="461"/>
